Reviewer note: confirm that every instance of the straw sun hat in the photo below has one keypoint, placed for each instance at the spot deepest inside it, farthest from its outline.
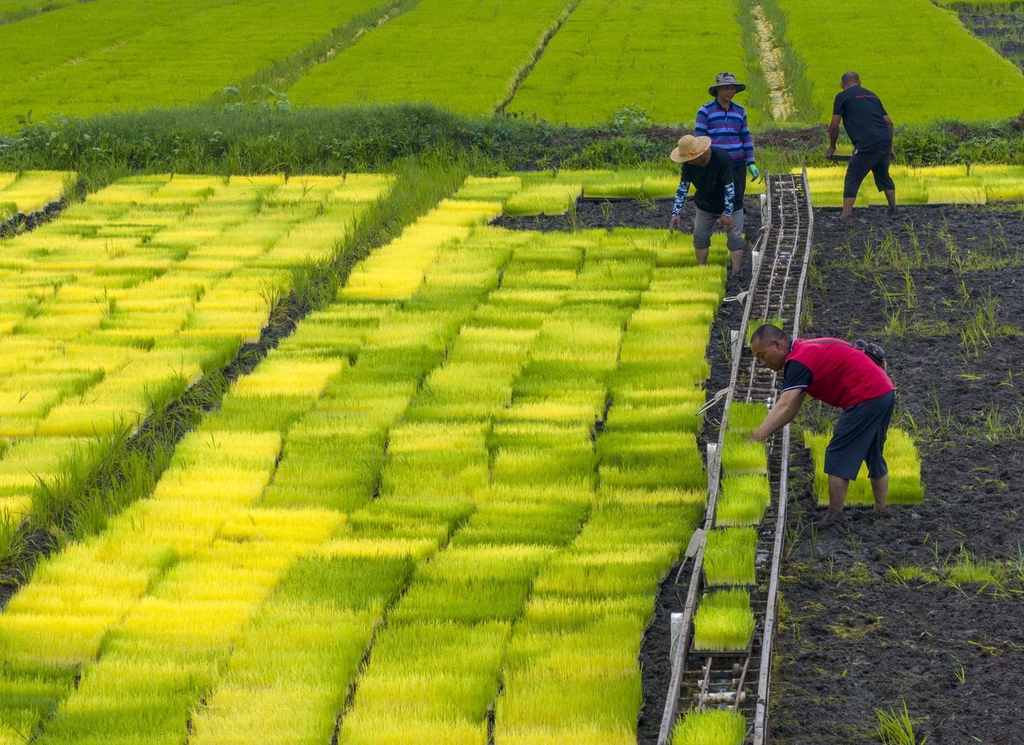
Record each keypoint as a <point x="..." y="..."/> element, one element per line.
<point x="689" y="147"/>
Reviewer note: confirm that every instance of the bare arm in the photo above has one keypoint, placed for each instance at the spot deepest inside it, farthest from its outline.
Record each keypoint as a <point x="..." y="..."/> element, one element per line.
<point x="889" y="126"/>
<point x="834" y="131"/>
<point x="782" y="413"/>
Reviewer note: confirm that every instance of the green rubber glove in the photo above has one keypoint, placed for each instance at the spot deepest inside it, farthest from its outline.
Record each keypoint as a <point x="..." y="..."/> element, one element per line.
<point x="754" y="173"/>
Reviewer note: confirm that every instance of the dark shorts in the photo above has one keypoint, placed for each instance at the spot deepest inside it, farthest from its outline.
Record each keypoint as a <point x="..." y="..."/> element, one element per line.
<point x="859" y="437"/>
<point x="871" y="159"/>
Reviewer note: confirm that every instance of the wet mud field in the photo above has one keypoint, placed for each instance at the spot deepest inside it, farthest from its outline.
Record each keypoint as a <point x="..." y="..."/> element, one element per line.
<point x="876" y="612"/>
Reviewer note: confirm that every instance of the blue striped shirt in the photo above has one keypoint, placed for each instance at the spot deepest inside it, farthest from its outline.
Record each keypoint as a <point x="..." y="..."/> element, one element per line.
<point x="727" y="129"/>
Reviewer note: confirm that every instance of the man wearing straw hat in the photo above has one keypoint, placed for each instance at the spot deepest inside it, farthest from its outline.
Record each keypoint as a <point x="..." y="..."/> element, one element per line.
<point x="710" y="171"/>
<point x="725" y="122"/>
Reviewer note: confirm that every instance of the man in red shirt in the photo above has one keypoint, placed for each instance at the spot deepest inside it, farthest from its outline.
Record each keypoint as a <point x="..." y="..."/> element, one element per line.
<point x="836" y="372"/>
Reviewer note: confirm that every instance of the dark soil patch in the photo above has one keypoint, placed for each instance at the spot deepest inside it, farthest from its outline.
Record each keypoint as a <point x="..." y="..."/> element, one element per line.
<point x="1001" y="28"/>
<point x="853" y="639"/>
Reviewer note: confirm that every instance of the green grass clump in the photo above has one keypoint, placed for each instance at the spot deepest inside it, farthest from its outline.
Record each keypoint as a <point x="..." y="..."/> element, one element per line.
<point x="723" y="621"/>
<point x="710" y="727"/>
<point x="729" y="556"/>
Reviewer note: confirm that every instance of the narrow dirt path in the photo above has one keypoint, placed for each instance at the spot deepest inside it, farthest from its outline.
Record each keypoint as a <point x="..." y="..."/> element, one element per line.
<point x="771" y="62"/>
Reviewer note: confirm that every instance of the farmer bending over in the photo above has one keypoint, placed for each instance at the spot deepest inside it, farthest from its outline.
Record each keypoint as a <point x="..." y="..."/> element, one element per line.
<point x="710" y="171"/>
<point x="836" y="372"/>
<point x="871" y="132"/>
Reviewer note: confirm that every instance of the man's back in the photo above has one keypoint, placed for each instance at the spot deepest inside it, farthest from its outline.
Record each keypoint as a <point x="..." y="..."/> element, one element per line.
<point x="862" y="112"/>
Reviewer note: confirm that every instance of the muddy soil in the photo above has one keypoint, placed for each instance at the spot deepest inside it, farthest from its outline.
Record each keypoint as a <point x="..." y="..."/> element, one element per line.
<point x="854" y="639"/>
<point x="1001" y="28"/>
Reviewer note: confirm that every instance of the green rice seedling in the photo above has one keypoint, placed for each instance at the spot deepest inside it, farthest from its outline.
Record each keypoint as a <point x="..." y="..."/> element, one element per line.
<point x="710" y="727"/>
<point x="523" y="521"/>
<point x="742" y="500"/>
<point x="744" y="418"/>
<point x="742" y="457"/>
<point x="620" y="524"/>
<point x="903" y="460"/>
<point x="530" y="701"/>
<point x="497" y="188"/>
<point x="685" y="471"/>
<point x="552" y="612"/>
<point x="754" y="325"/>
<point x="271" y="413"/>
<point x="472" y="584"/>
<point x="723" y="621"/>
<point x="607" y="573"/>
<point x="729" y="556"/>
<point x="895" y="727"/>
<point x="964" y="60"/>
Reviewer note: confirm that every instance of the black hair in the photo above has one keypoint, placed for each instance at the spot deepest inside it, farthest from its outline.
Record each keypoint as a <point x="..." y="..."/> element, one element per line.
<point x="767" y="333"/>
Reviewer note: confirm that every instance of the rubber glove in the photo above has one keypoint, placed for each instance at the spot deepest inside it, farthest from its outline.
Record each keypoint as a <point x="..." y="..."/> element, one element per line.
<point x="754" y="173"/>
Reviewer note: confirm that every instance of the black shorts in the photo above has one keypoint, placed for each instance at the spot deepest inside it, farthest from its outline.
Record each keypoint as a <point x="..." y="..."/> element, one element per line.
<point x="871" y="159"/>
<point x="859" y="437"/>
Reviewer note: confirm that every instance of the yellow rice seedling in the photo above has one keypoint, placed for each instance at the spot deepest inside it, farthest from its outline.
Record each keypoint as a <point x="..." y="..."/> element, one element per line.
<point x="362" y="187"/>
<point x="462" y="212"/>
<point x="289" y="377"/>
<point x="965" y="191"/>
<point x="385" y="728"/>
<point x="257" y="451"/>
<point x="419" y="549"/>
<point x="568" y="731"/>
<point x="31" y="190"/>
<point x="223" y="487"/>
<point x="58" y="639"/>
<point x="550" y="199"/>
<point x="568" y="408"/>
<point x="7" y="178"/>
<point x="498" y="188"/>
<point x="653" y="498"/>
<point x="274" y="713"/>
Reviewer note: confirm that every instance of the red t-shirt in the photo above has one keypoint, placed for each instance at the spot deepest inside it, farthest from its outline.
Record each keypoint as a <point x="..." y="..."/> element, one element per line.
<point x="834" y="371"/>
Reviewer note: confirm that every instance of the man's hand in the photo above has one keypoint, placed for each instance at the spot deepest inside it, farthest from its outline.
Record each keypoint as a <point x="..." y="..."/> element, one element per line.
<point x="830" y="151"/>
<point x="754" y="173"/>
<point x="674" y="223"/>
<point x="726" y="221"/>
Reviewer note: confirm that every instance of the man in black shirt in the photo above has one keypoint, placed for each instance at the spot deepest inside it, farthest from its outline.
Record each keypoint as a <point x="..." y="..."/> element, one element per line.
<point x="871" y="131"/>
<point x="711" y="173"/>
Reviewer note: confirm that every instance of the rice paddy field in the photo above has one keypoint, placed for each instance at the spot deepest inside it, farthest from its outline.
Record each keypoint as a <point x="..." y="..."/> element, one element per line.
<point x="567" y="61"/>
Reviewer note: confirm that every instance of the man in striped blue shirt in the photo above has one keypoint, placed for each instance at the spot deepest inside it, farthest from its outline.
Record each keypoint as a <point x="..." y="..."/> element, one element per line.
<point x="725" y="122"/>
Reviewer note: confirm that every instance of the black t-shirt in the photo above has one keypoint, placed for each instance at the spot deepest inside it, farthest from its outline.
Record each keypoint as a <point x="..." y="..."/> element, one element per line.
<point x="710" y="181"/>
<point x="862" y="113"/>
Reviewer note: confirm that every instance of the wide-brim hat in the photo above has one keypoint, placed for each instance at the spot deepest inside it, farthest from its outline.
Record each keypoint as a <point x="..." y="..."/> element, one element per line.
<point x="689" y="147"/>
<point x="726" y="78"/>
